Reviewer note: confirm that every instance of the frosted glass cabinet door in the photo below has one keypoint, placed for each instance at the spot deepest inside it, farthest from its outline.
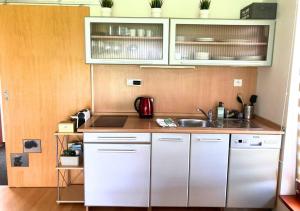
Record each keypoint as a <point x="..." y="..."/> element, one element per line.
<point x="126" y="40"/>
<point x="170" y="169"/>
<point x="221" y="42"/>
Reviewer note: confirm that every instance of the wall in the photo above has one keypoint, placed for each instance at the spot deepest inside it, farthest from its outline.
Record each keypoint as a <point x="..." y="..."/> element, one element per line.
<point x="175" y="91"/>
<point x="229" y="9"/>
<point x="276" y="88"/>
<point x="42" y="67"/>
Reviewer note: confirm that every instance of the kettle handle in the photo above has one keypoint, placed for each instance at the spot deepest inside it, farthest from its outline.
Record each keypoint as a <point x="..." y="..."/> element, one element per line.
<point x="135" y="104"/>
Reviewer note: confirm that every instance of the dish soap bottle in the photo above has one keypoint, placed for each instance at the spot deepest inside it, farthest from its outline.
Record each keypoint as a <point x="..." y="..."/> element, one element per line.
<point x="220" y="110"/>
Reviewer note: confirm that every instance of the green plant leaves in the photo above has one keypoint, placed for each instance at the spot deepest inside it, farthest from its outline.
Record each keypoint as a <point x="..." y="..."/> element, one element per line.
<point x="156" y="3"/>
<point x="205" y="4"/>
<point x="107" y="3"/>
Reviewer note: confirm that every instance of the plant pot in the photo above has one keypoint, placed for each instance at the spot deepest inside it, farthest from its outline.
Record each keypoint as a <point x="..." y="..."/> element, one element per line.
<point x="106" y="11"/>
<point x="69" y="160"/>
<point x="204" y="13"/>
<point x="156" y="12"/>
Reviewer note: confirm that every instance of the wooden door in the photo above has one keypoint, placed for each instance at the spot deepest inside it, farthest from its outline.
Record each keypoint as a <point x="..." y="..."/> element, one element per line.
<point x="44" y="72"/>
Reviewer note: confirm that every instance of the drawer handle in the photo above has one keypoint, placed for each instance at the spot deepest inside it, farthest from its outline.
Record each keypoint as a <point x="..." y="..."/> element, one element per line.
<point x="116" y="138"/>
<point x="209" y="139"/>
<point x="171" y="139"/>
<point x="117" y="150"/>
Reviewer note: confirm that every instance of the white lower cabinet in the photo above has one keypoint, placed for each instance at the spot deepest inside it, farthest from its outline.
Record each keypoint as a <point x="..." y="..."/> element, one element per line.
<point x="117" y="174"/>
<point x="208" y="170"/>
<point x="170" y="169"/>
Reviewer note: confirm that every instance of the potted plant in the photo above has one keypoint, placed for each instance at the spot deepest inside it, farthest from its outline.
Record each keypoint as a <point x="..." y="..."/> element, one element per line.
<point x="204" y="8"/>
<point x="156" y="8"/>
<point x="106" y="7"/>
<point x="69" y="158"/>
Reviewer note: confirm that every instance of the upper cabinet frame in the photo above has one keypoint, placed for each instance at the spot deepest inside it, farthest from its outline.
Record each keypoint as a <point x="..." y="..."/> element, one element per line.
<point x="112" y="40"/>
<point x="221" y="42"/>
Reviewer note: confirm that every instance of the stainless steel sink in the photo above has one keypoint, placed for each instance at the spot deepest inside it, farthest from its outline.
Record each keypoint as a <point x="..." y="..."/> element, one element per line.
<point x="193" y="123"/>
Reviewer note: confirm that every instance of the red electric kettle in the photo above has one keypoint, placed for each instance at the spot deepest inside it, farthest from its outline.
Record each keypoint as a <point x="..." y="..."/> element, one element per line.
<point x="144" y="106"/>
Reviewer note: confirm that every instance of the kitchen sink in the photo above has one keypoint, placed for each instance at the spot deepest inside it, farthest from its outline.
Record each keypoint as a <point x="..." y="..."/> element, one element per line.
<point x="193" y="123"/>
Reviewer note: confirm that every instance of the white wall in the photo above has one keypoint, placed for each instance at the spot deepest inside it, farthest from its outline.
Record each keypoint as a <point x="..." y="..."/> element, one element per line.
<point x="277" y="101"/>
<point x="229" y="9"/>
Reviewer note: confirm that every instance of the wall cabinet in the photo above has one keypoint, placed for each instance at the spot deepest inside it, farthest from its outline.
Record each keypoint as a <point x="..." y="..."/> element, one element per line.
<point x="221" y="42"/>
<point x="126" y="40"/>
<point x="208" y="170"/>
<point x="117" y="170"/>
<point x="170" y="169"/>
<point x="191" y="41"/>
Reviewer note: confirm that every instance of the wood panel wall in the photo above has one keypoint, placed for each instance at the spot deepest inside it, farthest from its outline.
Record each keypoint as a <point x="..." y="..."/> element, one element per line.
<point x="178" y="91"/>
<point x="44" y="71"/>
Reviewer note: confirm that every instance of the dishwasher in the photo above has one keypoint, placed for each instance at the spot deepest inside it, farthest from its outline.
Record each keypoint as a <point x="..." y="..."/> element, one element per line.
<point x="117" y="169"/>
<point x="253" y="171"/>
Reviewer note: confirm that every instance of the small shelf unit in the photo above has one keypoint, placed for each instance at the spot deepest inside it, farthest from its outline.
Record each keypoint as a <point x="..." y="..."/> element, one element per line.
<point x="67" y="190"/>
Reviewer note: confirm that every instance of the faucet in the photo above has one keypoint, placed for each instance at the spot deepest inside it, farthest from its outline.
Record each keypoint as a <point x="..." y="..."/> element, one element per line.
<point x="208" y="115"/>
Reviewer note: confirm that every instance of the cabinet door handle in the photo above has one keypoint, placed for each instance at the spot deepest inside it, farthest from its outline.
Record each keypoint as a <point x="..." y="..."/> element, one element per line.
<point x="171" y="139"/>
<point x="209" y="139"/>
<point x="117" y="150"/>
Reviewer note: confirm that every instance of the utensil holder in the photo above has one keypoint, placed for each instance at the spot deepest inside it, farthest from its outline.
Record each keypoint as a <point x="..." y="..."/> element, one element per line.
<point x="248" y="111"/>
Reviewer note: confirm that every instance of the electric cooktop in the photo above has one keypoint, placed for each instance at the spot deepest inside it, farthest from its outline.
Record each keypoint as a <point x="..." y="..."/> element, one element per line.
<point x="109" y="121"/>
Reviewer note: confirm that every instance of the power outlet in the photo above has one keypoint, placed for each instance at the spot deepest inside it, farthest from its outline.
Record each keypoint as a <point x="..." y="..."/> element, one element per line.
<point x="238" y="82"/>
<point x="134" y="82"/>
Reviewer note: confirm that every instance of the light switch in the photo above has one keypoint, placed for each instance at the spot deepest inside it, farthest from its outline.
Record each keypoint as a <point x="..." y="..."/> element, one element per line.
<point x="134" y="82"/>
<point x="238" y="82"/>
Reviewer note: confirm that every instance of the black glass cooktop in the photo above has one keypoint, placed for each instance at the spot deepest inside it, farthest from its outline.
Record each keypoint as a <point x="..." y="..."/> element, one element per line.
<point x="109" y="121"/>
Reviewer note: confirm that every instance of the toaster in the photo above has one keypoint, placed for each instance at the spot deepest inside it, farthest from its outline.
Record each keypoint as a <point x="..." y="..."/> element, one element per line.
<point x="81" y="117"/>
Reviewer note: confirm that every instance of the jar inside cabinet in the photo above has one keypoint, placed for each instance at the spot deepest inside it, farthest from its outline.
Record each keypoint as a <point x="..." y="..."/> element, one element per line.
<point x="119" y="40"/>
<point x="228" y="42"/>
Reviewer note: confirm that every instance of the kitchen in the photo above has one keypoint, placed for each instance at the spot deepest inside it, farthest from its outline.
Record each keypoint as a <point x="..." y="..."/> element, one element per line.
<point x="196" y="86"/>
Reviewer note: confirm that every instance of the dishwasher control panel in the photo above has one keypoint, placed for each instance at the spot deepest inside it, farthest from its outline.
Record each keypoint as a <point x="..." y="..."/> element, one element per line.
<point x="255" y="141"/>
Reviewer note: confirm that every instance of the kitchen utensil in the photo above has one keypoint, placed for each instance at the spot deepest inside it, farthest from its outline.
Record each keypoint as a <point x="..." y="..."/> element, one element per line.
<point x="235" y="40"/>
<point x="253" y="99"/>
<point x="178" y="56"/>
<point x="223" y="58"/>
<point x="202" y="55"/>
<point x="149" y="33"/>
<point x="180" y="38"/>
<point x="204" y="39"/>
<point x="141" y="32"/>
<point x="240" y="99"/>
<point x="248" y="111"/>
<point x="132" y="32"/>
<point x="110" y="30"/>
<point x="144" y="106"/>
<point x="251" y="58"/>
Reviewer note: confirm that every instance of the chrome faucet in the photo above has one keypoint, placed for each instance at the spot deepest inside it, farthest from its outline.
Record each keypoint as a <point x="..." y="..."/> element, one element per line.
<point x="208" y="115"/>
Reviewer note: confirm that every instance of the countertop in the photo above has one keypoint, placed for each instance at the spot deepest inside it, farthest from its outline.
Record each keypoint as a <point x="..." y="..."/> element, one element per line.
<point x="136" y="125"/>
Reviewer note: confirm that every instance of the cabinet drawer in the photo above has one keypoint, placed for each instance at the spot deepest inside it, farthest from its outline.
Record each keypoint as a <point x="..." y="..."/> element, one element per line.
<point x="117" y="138"/>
